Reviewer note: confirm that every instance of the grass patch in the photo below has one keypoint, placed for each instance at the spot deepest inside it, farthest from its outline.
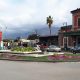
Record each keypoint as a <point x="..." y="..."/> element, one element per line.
<point x="72" y="54"/>
<point x="46" y="59"/>
<point x="30" y="58"/>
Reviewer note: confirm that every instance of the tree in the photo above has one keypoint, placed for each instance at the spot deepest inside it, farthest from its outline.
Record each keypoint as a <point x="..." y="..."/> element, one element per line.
<point x="33" y="36"/>
<point x="49" y="22"/>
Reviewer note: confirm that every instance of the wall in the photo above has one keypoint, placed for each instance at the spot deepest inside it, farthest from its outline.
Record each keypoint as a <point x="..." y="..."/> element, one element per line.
<point x="75" y="17"/>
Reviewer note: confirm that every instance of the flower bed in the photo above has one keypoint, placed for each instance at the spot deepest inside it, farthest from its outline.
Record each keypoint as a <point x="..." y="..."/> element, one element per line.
<point x="64" y="57"/>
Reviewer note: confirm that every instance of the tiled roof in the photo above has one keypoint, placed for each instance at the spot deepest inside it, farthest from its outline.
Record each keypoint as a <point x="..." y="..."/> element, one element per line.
<point x="75" y="11"/>
<point x="68" y="27"/>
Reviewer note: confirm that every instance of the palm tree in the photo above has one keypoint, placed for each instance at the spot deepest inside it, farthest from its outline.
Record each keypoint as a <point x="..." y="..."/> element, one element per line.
<point x="49" y="22"/>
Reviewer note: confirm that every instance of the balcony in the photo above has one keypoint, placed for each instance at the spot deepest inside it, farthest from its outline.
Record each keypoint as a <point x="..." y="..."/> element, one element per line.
<point x="75" y="29"/>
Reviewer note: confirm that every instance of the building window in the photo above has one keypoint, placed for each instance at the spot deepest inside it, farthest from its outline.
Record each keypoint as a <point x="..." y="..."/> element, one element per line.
<point x="79" y="22"/>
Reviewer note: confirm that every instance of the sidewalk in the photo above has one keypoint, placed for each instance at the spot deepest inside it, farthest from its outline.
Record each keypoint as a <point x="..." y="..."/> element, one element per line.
<point x="2" y="51"/>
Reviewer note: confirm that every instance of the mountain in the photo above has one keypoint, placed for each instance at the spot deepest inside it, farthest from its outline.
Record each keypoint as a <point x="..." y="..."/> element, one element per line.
<point x="45" y="31"/>
<point x="40" y="30"/>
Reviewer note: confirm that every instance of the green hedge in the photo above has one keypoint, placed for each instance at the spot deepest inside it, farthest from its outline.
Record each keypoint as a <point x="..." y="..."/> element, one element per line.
<point x="23" y="49"/>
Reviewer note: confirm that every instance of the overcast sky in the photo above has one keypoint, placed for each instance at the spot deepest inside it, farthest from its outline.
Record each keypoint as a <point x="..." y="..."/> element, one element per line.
<point x="23" y="14"/>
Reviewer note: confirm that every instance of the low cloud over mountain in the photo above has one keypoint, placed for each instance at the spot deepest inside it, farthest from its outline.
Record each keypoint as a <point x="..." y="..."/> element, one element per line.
<point x="23" y="33"/>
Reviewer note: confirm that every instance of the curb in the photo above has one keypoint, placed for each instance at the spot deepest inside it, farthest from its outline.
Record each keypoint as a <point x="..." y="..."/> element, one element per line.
<point x="39" y="61"/>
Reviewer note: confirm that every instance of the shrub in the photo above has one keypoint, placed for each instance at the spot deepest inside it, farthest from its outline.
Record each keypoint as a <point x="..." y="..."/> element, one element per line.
<point x="23" y="49"/>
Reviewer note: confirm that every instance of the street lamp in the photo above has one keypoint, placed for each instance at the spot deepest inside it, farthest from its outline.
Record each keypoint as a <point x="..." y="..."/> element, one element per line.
<point x="65" y="45"/>
<point x="49" y="22"/>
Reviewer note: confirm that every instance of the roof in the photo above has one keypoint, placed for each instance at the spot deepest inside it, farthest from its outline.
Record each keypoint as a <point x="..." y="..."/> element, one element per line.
<point x="50" y="36"/>
<point x="72" y="33"/>
<point x="68" y="27"/>
<point x="75" y="11"/>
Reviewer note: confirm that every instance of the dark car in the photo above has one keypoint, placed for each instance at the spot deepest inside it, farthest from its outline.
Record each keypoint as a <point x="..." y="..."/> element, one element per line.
<point x="76" y="49"/>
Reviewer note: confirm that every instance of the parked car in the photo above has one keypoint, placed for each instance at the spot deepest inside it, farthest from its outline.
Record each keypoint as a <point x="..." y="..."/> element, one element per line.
<point x="53" y="48"/>
<point x="71" y="49"/>
<point x="76" y="49"/>
<point x="43" y="47"/>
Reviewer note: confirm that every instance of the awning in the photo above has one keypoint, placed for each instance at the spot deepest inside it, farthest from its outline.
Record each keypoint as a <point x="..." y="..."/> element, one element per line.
<point x="72" y="33"/>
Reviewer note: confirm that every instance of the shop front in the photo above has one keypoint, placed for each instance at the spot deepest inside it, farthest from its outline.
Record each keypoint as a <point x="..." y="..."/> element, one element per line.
<point x="75" y="37"/>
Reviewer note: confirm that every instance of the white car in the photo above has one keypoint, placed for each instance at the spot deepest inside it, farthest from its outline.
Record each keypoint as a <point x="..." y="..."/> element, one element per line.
<point x="53" y="48"/>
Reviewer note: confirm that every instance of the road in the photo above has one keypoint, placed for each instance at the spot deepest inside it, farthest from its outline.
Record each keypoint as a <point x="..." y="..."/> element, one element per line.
<point x="13" y="70"/>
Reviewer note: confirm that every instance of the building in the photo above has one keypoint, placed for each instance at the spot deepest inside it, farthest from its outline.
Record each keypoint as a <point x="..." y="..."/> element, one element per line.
<point x="48" y="40"/>
<point x="70" y="35"/>
<point x="62" y="39"/>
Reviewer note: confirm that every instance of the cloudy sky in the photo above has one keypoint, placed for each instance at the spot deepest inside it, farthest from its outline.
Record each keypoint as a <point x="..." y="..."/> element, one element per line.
<point x="17" y="15"/>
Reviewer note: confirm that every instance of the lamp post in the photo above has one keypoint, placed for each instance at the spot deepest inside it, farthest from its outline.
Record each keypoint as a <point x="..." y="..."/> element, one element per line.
<point x="49" y="22"/>
<point x="65" y="45"/>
